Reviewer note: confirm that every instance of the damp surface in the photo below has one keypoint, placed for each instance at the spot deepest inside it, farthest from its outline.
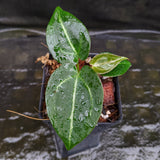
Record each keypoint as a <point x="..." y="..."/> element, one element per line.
<point x="136" y="138"/>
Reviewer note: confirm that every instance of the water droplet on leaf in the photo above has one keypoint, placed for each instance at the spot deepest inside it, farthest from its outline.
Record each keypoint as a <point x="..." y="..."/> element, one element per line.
<point x="86" y="113"/>
<point x="83" y="102"/>
<point x="82" y="97"/>
<point x="81" y="117"/>
<point x="96" y="109"/>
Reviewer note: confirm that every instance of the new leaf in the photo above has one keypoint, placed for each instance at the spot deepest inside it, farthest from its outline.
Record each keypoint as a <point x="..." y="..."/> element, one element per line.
<point x="105" y="62"/>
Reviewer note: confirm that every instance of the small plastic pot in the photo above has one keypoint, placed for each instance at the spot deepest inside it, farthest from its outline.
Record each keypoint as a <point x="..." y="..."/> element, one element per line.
<point x="93" y="139"/>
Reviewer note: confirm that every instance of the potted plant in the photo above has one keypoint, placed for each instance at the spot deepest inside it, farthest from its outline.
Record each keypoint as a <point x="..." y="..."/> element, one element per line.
<point x="80" y="94"/>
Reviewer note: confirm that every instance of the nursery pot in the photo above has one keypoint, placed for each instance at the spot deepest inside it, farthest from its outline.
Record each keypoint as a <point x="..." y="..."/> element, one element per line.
<point x="93" y="139"/>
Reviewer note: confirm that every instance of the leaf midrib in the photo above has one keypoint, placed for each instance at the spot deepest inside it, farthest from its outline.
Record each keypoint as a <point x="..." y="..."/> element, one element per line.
<point x="72" y="111"/>
<point x="67" y="36"/>
<point x="111" y="61"/>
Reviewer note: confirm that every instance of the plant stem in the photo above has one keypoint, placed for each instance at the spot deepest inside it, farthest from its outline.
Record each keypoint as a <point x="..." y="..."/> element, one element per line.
<point x="78" y="66"/>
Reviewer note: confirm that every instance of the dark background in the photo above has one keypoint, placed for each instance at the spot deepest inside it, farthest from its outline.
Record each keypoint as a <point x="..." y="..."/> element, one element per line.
<point x="95" y="14"/>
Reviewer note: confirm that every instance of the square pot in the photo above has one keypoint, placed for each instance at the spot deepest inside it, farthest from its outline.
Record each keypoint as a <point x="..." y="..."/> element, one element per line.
<point x="93" y="139"/>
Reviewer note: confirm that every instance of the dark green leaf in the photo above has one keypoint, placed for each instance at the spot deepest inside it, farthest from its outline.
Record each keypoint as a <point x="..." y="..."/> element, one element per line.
<point x="74" y="102"/>
<point x="119" y="70"/>
<point x="67" y="38"/>
<point x="105" y="62"/>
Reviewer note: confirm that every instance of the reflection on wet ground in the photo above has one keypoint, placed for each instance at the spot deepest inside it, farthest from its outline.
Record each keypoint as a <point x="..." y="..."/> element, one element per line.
<point x="137" y="137"/>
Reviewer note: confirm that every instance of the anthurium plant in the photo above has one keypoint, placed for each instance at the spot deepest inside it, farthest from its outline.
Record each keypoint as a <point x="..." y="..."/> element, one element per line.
<point x="74" y="96"/>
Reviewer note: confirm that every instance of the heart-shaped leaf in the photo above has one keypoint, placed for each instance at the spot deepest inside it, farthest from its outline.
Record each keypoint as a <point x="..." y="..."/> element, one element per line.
<point x="67" y="38"/>
<point x="74" y="102"/>
<point x="105" y="62"/>
<point x="119" y="70"/>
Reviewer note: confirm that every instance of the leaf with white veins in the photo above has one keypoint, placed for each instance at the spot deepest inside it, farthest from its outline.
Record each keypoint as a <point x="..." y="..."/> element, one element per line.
<point x="67" y="38"/>
<point x="74" y="102"/>
<point x="105" y="62"/>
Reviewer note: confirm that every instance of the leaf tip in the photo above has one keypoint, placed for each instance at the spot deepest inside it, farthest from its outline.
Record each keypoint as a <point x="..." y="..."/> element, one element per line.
<point x="58" y="8"/>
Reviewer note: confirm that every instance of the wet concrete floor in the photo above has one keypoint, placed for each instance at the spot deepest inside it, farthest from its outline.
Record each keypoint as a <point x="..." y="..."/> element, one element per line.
<point x="136" y="138"/>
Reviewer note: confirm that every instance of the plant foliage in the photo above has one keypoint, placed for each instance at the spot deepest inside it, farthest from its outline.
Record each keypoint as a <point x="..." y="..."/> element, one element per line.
<point x="74" y="98"/>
